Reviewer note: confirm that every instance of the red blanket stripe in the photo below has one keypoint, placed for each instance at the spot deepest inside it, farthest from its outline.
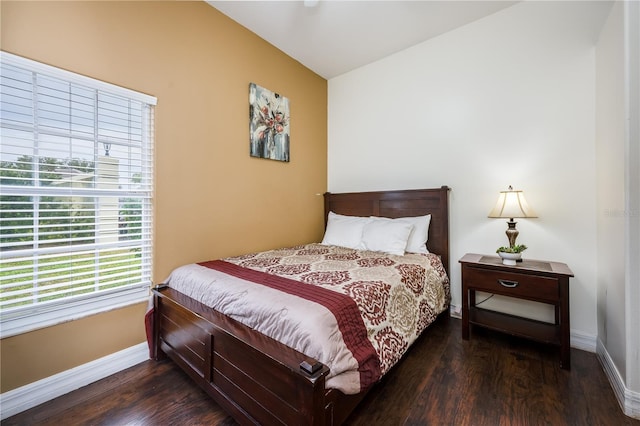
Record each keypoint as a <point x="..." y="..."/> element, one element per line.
<point x="343" y="308"/>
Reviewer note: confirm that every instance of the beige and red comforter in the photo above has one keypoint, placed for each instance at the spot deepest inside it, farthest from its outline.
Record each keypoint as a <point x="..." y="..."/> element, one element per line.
<point x="355" y="311"/>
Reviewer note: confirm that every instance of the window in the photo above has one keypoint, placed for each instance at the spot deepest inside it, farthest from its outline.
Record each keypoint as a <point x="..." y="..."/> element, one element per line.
<point x="76" y="182"/>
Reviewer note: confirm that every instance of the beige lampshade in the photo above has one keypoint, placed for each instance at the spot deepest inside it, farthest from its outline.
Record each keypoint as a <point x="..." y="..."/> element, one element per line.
<point x="512" y="204"/>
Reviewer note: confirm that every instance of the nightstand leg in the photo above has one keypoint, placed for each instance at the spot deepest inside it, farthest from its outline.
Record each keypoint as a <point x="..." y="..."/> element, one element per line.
<point x="465" y="312"/>
<point x="565" y="328"/>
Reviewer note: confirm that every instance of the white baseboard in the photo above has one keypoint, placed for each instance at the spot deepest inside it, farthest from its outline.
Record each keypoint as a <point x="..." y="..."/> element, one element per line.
<point x="455" y="311"/>
<point x="583" y="341"/>
<point x="629" y="400"/>
<point x="36" y="393"/>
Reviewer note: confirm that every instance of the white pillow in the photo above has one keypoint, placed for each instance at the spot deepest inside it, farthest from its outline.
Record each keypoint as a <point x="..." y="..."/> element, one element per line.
<point x="420" y="235"/>
<point x="386" y="235"/>
<point x="344" y="231"/>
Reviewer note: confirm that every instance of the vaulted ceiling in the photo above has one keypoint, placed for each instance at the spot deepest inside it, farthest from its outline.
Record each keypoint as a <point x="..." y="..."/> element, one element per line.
<point x="332" y="37"/>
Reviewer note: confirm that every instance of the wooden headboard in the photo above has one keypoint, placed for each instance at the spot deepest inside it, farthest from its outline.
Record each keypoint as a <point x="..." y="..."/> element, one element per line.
<point x="402" y="203"/>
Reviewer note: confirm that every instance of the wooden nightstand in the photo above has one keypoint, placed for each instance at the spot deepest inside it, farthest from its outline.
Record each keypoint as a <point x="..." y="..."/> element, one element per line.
<point x="540" y="281"/>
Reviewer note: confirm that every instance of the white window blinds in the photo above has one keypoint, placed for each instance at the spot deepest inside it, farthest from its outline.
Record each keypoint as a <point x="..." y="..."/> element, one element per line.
<point x="76" y="182"/>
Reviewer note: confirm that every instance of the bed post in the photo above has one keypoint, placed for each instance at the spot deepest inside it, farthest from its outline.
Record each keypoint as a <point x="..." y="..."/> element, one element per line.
<point x="444" y="202"/>
<point x="158" y="353"/>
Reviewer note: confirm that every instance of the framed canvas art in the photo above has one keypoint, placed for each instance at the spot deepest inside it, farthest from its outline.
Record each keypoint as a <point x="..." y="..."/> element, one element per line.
<point x="269" y="123"/>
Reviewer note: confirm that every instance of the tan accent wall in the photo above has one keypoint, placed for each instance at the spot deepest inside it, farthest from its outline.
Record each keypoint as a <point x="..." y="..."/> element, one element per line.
<point x="211" y="199"/>
<point x="32" y="356"/>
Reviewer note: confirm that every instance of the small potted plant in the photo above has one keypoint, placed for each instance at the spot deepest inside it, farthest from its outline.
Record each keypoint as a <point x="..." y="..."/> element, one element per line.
<point x="510" y="255"/>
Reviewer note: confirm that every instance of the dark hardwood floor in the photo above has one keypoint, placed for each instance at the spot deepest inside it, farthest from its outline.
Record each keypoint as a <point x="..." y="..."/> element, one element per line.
<point x="492" y="379"/>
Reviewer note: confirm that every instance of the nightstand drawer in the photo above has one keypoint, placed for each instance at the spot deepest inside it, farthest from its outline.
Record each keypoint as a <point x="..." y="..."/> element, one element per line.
<point x="513" y="284"/>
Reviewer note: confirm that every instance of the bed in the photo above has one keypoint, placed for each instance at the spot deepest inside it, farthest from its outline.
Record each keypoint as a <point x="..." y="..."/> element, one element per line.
<point x="260" y="379"/>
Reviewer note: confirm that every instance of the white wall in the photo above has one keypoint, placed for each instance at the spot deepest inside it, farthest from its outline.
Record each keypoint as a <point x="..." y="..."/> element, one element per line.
<point x="506" y="100"/>
<point x="618" y="201"/>
<point x="632" y="203"/>
<point x="610" y="154"/>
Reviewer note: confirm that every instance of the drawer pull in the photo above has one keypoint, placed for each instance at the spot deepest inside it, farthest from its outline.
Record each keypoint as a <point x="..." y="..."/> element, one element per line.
<point x="507" y="283"/>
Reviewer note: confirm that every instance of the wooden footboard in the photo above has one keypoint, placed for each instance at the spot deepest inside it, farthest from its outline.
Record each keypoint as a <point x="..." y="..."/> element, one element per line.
<point x="253" y="377"/>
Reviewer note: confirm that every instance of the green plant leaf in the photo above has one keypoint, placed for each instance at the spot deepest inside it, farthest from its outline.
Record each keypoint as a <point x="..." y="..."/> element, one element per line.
<point x="518" y="248"/>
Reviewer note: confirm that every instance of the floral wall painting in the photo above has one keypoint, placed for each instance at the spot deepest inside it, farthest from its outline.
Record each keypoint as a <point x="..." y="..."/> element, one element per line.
<point x="268" y="124"/>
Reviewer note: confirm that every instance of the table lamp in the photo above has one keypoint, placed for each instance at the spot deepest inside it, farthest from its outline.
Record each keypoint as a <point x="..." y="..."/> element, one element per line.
<point x="512" y="204"/>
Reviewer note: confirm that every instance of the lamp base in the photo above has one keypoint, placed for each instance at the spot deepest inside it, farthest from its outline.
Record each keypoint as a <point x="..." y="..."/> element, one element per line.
<point x="512" y="232"/>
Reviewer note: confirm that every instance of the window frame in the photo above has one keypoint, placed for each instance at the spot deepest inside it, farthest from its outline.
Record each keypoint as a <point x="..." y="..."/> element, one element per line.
<point x="44" y="314"/>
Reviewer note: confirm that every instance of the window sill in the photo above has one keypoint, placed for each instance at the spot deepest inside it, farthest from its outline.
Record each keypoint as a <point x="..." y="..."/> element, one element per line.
<point x="34" y="318"/>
